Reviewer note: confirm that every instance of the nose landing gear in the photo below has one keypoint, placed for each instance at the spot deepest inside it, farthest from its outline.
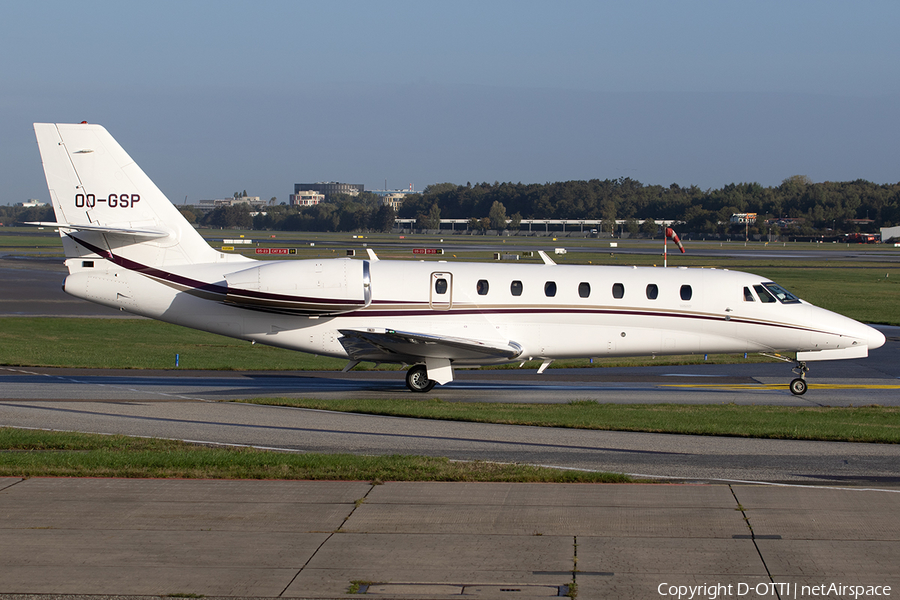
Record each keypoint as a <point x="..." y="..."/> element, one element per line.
<point x="798" y="385"/>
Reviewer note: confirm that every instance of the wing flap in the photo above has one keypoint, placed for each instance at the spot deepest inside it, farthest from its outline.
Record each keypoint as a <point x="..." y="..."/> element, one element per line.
<point x="389" y="345"/>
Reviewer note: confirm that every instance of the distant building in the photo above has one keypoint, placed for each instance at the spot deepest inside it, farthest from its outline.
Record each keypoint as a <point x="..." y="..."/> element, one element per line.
<point x="743" y="218"/>
<point x="331" y="188"/>
<point x="306" y="198"/>
<point x="253" y="201"/>
<point x="889" y="233"/>
<point x="31" y="203"/>
<point x="394" y="200"/>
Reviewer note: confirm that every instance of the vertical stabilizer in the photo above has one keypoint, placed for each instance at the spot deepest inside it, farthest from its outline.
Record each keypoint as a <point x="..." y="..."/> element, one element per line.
<point x="107" y="207"/>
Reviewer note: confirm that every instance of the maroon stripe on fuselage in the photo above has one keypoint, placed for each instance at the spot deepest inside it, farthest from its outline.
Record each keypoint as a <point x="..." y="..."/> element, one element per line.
<point x="375" y="312"/>
<point x="137" y="267"/>
<point x="375" y="309"/>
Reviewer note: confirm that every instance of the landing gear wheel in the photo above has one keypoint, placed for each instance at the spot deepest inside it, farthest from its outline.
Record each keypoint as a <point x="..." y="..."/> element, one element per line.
<point x="417" y="379"/>
<point x="798" y="387"/>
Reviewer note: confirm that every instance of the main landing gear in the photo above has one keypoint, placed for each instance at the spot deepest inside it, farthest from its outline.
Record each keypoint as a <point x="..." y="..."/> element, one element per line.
<point x="417" y="379"/>
<point x="798" y="385"/>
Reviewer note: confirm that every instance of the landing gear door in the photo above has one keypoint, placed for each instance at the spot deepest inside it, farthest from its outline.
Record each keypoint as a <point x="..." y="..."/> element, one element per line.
<point x="441" y="295"/>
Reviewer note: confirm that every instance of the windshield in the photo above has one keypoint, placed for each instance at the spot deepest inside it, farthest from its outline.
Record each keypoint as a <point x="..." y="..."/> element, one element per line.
<point x="784" y="296"/>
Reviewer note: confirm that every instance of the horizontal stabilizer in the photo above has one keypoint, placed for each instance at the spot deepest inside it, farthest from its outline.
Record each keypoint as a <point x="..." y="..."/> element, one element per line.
<point x="390" y="345"/>
<point x="146" y="232"/>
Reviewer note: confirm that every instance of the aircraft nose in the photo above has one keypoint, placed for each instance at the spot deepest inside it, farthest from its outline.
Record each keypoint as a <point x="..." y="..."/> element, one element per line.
<point x="875" y="339"/>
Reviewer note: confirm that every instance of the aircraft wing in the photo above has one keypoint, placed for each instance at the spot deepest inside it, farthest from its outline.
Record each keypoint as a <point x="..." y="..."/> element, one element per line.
<point x="388" y="345"/>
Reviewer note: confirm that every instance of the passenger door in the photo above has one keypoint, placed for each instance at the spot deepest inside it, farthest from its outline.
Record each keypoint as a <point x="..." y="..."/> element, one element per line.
<point x="441" y="295"/>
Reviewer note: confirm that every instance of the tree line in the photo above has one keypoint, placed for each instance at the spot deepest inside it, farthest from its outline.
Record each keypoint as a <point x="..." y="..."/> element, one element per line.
<point x="364" y="212"/>
<point x="804" y="207"/>
<point x="807" y="207"/>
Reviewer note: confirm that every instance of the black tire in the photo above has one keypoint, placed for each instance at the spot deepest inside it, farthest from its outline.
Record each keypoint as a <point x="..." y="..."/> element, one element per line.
<point x="798" y="387"/>
<point x="417" y="379"/>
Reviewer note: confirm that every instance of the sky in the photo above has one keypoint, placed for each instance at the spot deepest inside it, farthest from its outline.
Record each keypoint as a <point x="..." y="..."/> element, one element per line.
<point x="210" y="98"/>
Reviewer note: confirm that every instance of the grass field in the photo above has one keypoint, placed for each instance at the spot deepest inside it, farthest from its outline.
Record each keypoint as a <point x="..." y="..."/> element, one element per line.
<point x="855" y="424"/>
<point x="32" y="453"/>
<point x="139" y="344"/>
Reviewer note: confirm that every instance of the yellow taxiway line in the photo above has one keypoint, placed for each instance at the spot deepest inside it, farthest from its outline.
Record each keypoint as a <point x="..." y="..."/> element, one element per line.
<point x="778" y="386"/>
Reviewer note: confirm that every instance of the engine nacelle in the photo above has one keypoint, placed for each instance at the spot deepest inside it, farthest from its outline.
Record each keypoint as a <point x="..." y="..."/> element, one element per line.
<point x="302" y="287"/>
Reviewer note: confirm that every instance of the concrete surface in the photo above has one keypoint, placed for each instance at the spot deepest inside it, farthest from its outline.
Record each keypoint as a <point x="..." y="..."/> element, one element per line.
<point x="303" y="539"/>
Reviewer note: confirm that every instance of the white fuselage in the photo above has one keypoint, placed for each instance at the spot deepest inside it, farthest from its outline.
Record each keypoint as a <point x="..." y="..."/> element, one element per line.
<point x="550" y="311"/>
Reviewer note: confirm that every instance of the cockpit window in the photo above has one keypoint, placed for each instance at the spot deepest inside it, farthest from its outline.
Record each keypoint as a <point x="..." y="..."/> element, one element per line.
<point x="784" y="296"/>
<point x="772" y="292"/>
<point x="748" y="295"/>
<point x="764" y="295"/>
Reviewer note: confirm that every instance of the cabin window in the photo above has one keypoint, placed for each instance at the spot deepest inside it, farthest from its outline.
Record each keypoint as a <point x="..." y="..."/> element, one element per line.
<point x="584" y="289"/>
<point x="686" y="292"/>
<point x="784" y="296"/>
<point x="482" y="287"/>
<point x="550" y="289"/>
<point x="748" y="295"/>
<point x="764" y="295"/>
<point x="652" y="291"/>
<point x="87" y="264"/>
<point x="618" y="290"/>
<point x="515" y="288"/>
<point x="440" y="286"/>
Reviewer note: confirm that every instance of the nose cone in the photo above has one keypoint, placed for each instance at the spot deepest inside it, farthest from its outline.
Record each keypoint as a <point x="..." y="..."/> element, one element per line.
<point x="875" y="339"/>
<point x="830" y="324"/>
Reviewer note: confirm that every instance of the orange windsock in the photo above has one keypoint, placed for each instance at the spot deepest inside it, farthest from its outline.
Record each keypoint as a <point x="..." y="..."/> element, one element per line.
<point x="670" y="233"/>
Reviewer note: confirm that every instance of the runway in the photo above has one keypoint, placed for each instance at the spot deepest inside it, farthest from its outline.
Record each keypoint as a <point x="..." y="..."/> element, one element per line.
<point x="188" y="406"/>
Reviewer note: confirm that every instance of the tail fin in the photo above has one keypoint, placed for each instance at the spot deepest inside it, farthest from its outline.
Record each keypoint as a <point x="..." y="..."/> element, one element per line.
<point x="106" y="206"/>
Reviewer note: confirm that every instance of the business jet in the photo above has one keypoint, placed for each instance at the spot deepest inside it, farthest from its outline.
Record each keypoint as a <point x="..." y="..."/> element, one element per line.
<point x="128" y="247"/>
